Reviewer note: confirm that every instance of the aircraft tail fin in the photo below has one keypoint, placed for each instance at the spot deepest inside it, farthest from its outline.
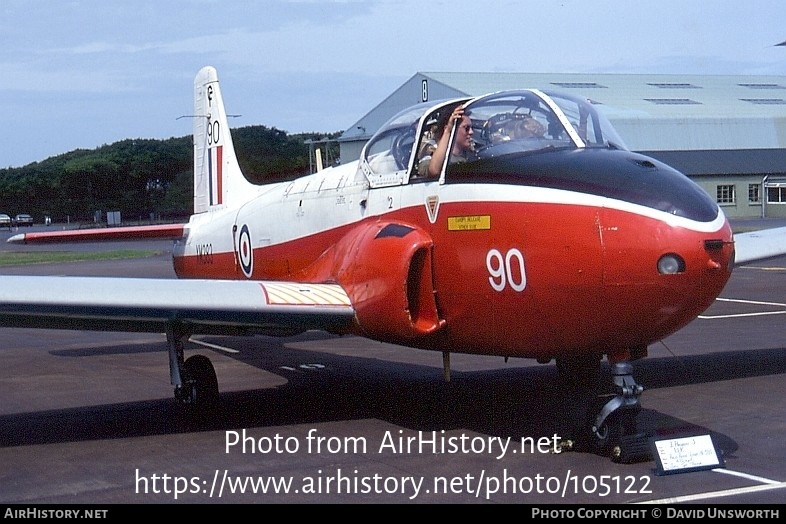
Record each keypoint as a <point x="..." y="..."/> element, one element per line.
<point x="218" y="179"/>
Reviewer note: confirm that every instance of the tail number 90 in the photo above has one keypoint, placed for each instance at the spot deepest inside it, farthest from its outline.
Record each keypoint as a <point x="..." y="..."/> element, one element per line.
<point x="507" y="270"/>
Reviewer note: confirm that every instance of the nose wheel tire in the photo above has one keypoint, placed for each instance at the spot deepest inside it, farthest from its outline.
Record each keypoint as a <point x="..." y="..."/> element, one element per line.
<point x="618" y="437"/>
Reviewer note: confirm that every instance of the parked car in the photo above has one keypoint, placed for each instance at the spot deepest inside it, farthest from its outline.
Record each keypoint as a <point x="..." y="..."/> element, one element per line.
<point x="23" y="220"/>
<point x="5" y="221"/>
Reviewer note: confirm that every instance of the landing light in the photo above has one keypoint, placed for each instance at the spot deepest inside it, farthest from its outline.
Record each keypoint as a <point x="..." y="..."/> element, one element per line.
<point x="670" y="264"/>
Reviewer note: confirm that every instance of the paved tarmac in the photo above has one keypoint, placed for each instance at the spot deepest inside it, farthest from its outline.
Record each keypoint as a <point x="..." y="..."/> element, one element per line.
<point x="89" y="418"/>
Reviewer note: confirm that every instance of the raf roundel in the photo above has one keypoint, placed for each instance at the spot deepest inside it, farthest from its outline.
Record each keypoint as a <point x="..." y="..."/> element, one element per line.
<point x="245" y="252"/>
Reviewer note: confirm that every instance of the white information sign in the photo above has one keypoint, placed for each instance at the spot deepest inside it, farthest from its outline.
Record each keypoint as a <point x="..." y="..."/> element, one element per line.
<point x="687" y="454"/>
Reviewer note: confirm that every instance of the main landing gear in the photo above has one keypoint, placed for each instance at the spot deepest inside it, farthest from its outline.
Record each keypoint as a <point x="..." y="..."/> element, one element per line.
<point x="194" y="379"/>
<point x="606" y="423"/>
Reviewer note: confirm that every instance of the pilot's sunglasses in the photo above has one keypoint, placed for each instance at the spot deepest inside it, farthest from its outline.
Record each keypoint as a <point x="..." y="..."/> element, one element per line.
<point x="466" y="127"/>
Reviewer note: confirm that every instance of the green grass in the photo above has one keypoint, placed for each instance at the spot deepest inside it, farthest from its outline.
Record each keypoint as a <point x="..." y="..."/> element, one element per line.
<point x="21" y="258"/>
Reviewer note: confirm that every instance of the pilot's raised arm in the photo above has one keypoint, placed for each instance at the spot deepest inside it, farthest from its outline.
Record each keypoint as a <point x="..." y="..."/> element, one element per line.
<point x="462" y="145"/>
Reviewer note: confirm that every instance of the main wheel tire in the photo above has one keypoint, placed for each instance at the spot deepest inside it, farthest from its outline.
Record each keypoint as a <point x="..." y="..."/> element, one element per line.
<point x="200" y="381"/>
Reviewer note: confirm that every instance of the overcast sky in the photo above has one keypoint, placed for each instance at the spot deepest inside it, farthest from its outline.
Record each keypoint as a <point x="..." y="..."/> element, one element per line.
<point x="83" y="73"/>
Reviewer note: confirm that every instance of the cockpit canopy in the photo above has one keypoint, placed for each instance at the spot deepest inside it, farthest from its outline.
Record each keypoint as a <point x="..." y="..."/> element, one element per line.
<point x="503" y="123"/>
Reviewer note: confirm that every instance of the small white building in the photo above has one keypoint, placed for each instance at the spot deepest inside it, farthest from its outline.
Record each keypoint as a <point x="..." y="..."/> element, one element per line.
<point x="728" y="133"/>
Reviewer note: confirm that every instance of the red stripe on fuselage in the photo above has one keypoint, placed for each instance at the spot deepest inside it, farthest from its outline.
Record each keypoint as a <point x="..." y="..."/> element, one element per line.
<point x="592" y="283"/>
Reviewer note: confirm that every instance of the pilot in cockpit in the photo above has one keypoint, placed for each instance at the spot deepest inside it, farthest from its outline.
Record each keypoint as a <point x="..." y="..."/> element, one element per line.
<point x="430" y="164"/>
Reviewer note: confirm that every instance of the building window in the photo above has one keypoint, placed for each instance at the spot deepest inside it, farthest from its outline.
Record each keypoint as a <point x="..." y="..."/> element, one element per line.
<point x="672" y="101"/>
<point x="754" y="193"/>
<point x="765" y="101"/>
<point x="776" y="195"/>
<point x="763" y="86"/>
<point x="672" y="85"/>
<point x="725" y="194"/>
<point x="579" y="85"/>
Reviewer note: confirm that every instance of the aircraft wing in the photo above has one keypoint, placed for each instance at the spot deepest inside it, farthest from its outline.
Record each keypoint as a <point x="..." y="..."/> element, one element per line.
<point x="100" y="234"/>
<point x="758" y="245"/>
<point x="228" y="307"/>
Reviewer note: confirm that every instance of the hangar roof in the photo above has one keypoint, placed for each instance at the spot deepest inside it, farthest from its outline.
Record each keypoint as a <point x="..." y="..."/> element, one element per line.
<point x="651" y="112"/>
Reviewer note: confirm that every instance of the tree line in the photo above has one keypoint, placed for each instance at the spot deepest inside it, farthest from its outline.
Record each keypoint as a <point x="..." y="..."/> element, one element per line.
<point x="144" y="177"/>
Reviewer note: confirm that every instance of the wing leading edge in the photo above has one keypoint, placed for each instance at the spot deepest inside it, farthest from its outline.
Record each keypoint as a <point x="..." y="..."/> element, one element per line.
<point x="759" y="245"/>
<point x="162" y="231"/>
<point x="227" y="307"/>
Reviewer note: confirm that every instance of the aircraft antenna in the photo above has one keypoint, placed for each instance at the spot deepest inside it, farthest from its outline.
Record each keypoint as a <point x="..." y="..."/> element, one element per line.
<point x="204" y="116"/>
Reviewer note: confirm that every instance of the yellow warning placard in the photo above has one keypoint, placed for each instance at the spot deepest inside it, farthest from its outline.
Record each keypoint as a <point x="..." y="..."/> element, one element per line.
<point x="469" y="223"/>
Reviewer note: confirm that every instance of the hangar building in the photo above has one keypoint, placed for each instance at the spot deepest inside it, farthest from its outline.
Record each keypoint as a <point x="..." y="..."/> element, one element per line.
<point x="728" y="133"/>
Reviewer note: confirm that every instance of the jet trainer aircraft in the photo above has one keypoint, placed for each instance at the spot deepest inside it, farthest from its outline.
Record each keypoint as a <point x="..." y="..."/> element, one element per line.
<point x="552" y="242"/>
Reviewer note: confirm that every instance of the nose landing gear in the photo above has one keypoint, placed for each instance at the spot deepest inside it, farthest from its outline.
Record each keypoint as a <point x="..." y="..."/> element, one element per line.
<point x="608" y="423"/>
<point x="614" y="431"/>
